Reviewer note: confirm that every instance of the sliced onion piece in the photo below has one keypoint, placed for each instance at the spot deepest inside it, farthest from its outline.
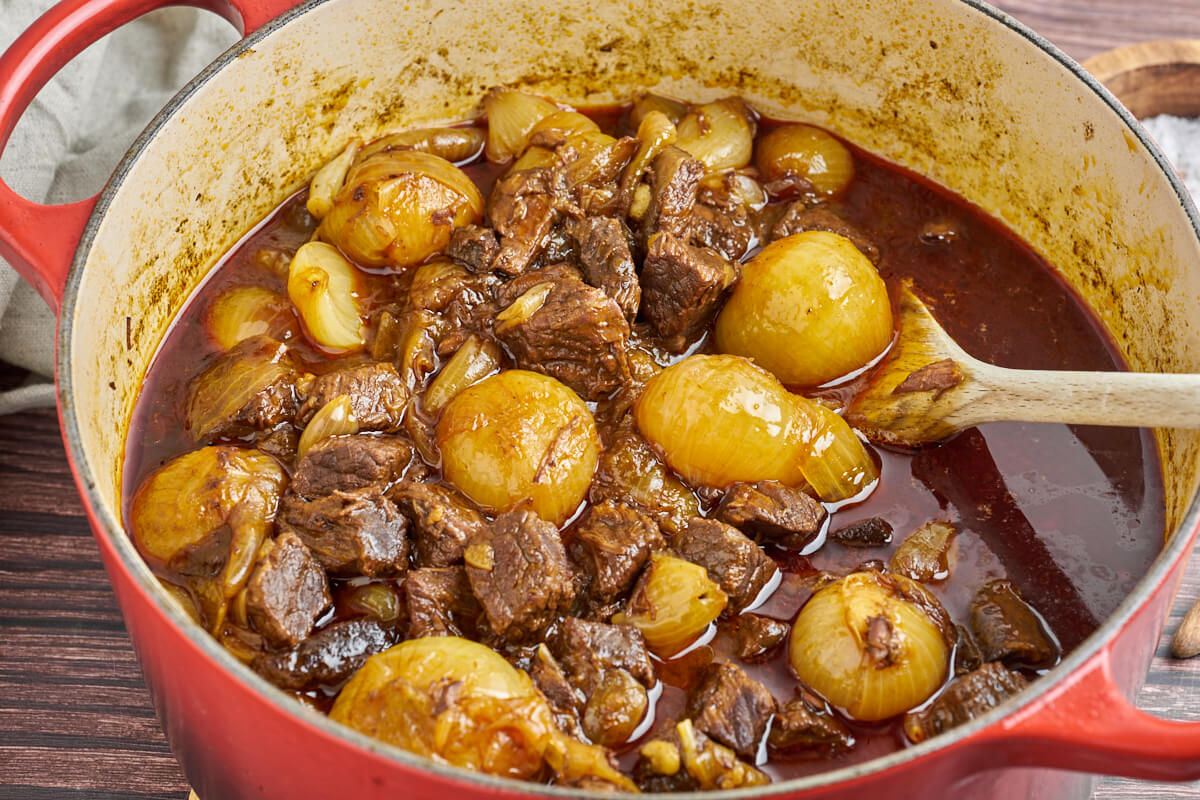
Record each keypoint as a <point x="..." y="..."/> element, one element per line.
<point x="323" y="286"/>
<point x="511" y="116"/>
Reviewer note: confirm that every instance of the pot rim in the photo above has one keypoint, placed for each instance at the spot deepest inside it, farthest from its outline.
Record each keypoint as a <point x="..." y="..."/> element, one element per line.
<point x="131" y="561"/>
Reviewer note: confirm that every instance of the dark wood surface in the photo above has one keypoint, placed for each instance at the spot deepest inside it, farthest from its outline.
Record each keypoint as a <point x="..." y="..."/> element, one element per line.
<point x="75" y="719"/>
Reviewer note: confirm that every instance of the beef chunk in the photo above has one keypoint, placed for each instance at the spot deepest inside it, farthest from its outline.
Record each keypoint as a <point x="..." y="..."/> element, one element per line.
<point x="611" y="545"/>
<point x="351" y="533"/>
<point x="872" y="532"/>
<point x="518" y="569"/>
<point x="965" y="699"/>
<point x="328" y="657"/>
<point x="804" y="727"/>
<point x="737" y="564"/>
<point x="631" y="474"/>
<point x="732" y="708"/>
<point x="523" y="210"/>
<point x="442" y="521"/>
<point x="683" y="759"/>
<point x="569" y="331"/>
<point x="446" y="304"/>
<point x="799" y="218"/>
<point x="682" y="289"/>
<point x="587" y="650"/>
<point x="287" y="593"/>
<point x="253" y="387"/>
<point x="558" y="272"/>
<point x="281" y="443"/>
<point x="565" y="700"/>
<point x="439" y="602"/>
<point x="474" y="247"/>
<point x="675" y="177"/>
<point x="1007" y="629"/>
<point x="757" y="636"/>
<point x="770" y="510"/>
<point x="591" y="172"/>
<point x="729" y="232"/>
<point x="603" y="244"/>
<point x="346" y="463"/>
<point x="377" y="395"/>
<point x="967" y="657"/>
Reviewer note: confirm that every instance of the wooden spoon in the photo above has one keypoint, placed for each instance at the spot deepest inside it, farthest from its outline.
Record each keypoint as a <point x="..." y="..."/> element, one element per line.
<point x="927" y="389"/>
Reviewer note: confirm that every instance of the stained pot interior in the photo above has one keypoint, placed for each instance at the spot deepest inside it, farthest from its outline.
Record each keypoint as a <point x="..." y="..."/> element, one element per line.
<point x="940" y="87"/>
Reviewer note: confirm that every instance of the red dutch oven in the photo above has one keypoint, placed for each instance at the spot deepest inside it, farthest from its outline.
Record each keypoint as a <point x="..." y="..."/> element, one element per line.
<point x="952" y="89"/>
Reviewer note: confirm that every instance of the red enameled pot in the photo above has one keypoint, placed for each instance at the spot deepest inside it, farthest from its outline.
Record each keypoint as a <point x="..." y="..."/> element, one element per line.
<point x="952" y="89"/>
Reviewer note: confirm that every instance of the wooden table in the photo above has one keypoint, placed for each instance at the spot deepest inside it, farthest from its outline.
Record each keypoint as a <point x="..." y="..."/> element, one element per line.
<point x="75" y="718"/>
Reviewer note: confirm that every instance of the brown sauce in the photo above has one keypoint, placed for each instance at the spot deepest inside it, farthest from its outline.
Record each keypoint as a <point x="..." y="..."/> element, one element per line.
<point x="1073" y="516"/>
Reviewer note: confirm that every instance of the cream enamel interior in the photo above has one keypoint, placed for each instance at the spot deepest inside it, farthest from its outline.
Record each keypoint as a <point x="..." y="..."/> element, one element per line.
<point x="936" y="86"/>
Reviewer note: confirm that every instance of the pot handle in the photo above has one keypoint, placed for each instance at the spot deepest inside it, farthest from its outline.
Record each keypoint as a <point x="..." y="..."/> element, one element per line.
<point x="40" y="240"/>
<point x="1090" y="726"/>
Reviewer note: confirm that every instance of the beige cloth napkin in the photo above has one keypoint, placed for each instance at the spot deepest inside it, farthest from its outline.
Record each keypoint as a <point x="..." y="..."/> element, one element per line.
<point x="73" y="135"/>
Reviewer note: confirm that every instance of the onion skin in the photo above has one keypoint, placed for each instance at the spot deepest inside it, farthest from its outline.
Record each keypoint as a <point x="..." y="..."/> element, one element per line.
<point x="520" y="435"/>
<point x="805" y="152"/>
<point x="810" y="308"/>
<point x="398" y="207"/>
<point x="873" y="645"/>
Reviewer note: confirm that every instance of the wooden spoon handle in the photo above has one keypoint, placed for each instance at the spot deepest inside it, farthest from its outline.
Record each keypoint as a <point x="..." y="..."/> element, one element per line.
<point x="1133" y="399"/>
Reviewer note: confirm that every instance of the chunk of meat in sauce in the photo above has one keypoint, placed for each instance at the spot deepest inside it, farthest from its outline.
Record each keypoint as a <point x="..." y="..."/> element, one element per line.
<point x="771" y="510"/>
<point x="351" y="533"/>
<point x="871" y="532"/>
<point x="736" y="563"/>
<point x="966" y="698"/>
<point x="287" y="592"/>
<point x="565" y="700"/>
<point x="804" y="728"/>
<point x="756" y="636"/>
<point x="732" y="708"/>
<point x="569" y="331"/>
<point x="378" y="397"/>
<point x="329" y="656"/>
<point x="799" y="218"/>
<point x="523" y="209"/>
<point x="346" y="463"/>
<point x="256" y="386"/>
<point x="586" y="650"/>
<point x="474" y="247"/>
<point x="603" y="244"/>
<point x="611" y="545"/>
<point x="439" y="602"/>
<point x="730" y="233"/>
<point x="674" y="181"/>
<point x="441" y="521"/>
<point x="682" y="289"/>
<point x="519" y="571"/>
<point x="1007" y="629"/>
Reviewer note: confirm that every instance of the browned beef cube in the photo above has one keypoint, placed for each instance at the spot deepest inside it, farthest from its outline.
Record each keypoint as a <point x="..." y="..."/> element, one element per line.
<point x="474" y="247"/>
<point x="346" y="463"/>
<point x="439" y="602"/>
<point x="967" y="657"/>
<point x="729" y="232"/>
<point x="519" y="571"/>
<point x="871" y="532"/>
<point x="603" y="244"/>
<point x="253" y="387"/>
<point x="736" y="563"/>
<point x="965" y="699"/>
<point x="377" y="395"/>
<point x="630" y="473"/>
<point x="682" y="289"/>
<point x="523" y="210"/>
<point x="799" y="218"/>
<point x="757" y="636"/>
<point x="328" y="657"/>
<point x="732" y="708"/>
<point x="611" y="545"/>
<point x="770" y="510"/>
<point x="450" y="302"/>
<point x="569" y="331"/>
<point x="287" y="592"/>
<point x="803" y="728"/>
<point x="565" y="700"/>
<point x="675" y="177"/>
<point x="442" y="521"/>
<point x="351" y="533"/>
<point x="1007" y="629"/>
<point x="507" y="292"/>
<point x="586" y="650"/>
